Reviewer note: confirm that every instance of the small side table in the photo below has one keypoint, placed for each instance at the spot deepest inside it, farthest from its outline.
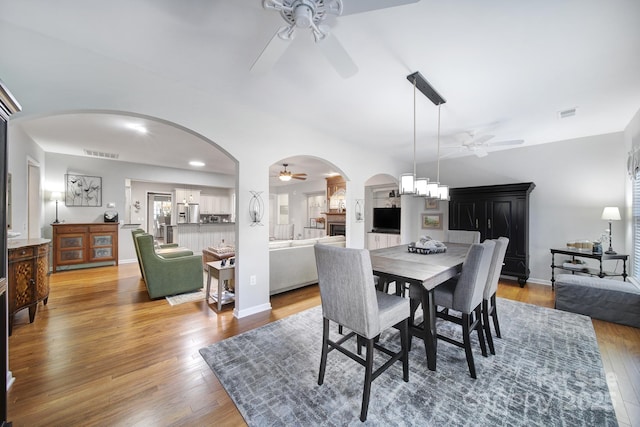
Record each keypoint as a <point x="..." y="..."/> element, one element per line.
<point x="224" y="275"/>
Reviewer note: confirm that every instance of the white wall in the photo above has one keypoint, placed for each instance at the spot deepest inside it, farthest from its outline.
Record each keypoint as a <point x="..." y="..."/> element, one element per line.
<point x="575" y="180"/>
<point x="21" y="149"/>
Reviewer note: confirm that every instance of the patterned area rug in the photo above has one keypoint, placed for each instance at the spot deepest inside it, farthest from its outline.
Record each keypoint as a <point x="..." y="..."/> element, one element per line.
<point x="188" y="297"/>
<point x="547" y="371"/>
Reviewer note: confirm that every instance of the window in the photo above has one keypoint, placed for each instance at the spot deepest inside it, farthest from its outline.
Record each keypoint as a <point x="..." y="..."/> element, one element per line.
<point x="636" y="227"/>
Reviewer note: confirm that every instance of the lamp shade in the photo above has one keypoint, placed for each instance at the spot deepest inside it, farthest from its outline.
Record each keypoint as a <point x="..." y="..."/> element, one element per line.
<point x="611" y="214"/>
<point x="56" y="196"/>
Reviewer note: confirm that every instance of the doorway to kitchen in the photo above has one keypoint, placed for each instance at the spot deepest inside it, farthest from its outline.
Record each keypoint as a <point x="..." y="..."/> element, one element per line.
<point x="158" y="214"/>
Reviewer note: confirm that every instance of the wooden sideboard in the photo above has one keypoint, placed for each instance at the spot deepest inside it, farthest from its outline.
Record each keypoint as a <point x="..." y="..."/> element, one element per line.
<point x="83" y="244"/>
<point x="28" y="278"/>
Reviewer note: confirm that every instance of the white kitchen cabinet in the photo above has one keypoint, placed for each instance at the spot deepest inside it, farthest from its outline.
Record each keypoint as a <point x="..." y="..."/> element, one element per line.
<point x="185" y="194"/>
<point x="382" y="240"/>
<point x="207" y="204"/>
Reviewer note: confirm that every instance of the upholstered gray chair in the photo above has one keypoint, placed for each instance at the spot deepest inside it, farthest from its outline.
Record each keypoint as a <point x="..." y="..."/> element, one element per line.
<point x="489" y="297"/>
<point x="463" y="293"/>
<point x="349" y="298"/>
<point x="463" y="236"/>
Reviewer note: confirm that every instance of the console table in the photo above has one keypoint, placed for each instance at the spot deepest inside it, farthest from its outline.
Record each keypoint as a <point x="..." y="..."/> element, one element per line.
<point x="78" y="244"/>
<point x="28" y="276"/>
<point x="591" y="271"/>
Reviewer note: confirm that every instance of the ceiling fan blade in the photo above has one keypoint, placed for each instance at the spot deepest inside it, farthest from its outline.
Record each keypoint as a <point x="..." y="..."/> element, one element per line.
<point x="350" y="7"/>
<point x="338" y="56"/>
<point x="510" y="142"/>
<point x="299" y="174"/>
<point x="270" y="54"/>
<point x="299" y="177"/>
<point x="481" y="140"/>
<point x="480" y="152"/>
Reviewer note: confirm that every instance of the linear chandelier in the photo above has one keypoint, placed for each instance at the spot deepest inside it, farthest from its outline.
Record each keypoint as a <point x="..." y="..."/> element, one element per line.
<point x="409" y="184"/>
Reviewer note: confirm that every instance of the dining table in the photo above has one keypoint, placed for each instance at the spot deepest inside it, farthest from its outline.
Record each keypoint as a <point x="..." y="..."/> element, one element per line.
<point x="423" y="273"/>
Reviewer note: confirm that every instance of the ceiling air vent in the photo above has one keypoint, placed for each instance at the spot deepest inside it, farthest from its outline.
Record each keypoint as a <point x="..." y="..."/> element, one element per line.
<point x="100" y="154"/>
<point x="567" y="113"/>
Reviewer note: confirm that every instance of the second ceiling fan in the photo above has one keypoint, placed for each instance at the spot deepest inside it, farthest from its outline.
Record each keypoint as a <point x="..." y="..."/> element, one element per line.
<point x="286" y="175"/>
<point x="312" y="14"/>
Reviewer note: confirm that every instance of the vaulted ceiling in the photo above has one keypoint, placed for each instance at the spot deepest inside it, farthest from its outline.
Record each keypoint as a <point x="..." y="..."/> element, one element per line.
<point x="505" y="68"/>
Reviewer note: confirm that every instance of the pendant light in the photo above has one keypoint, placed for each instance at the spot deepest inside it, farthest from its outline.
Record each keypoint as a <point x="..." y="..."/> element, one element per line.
<point x="409" y="184"/>
<point x="408" y="180"/>
<point x="443" y="190"/>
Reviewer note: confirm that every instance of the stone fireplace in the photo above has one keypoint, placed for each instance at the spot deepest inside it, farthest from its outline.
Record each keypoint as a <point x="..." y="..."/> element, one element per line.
<point x="336" y="224"/>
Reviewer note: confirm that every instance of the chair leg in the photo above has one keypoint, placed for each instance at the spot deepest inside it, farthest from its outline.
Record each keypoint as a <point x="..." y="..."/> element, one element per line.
<point x="368" y="377"/>
<point x="494" y="315"/>
<point x="325" y="350"/>
<point x="466" y="337"/>
<point x="487" y="327"/>
<point x="404" y="340"/>
<point x="478" y="327"/>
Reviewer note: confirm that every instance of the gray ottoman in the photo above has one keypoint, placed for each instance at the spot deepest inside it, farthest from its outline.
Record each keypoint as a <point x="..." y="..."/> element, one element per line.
<point x="605" y="299"/>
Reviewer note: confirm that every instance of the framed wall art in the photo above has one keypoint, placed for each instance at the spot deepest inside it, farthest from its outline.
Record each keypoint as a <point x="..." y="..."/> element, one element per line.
<point x="83" y="191"/>
<point x="430" y="204"/>
<point x="432" y="221"/>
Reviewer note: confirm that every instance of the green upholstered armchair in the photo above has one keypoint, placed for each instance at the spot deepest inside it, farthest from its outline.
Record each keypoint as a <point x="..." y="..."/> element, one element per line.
<point x="168" y="276"/>
<point x="170" y="250"/>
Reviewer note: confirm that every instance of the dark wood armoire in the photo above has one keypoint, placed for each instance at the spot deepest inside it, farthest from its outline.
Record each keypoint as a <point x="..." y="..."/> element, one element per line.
<point x="494" y="211"/>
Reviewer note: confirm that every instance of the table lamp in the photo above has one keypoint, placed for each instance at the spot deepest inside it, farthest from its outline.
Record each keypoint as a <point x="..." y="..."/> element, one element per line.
<point x="610" y="214"/>
<point x="56" y="196"/>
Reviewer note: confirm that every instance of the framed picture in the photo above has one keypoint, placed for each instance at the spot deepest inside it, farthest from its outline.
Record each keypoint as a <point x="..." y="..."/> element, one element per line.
<point x="313" y="223"/>
<point x="430" y="204"/>
<point x="432" y="221"/>
<point x="83" y="190"/>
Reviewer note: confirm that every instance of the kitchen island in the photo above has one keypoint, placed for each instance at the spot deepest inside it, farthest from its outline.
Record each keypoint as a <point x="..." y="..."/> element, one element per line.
<point x="199" y="236"/>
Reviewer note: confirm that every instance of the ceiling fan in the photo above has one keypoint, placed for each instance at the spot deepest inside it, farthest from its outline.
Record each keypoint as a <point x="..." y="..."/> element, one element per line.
<point x="478" y="144"/>
<point x="286" y="175"/>
<point x="312" y="15"/>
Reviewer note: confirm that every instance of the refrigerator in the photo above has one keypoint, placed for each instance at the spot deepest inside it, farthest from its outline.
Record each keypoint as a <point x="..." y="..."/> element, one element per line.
<point x="188" y="213"/>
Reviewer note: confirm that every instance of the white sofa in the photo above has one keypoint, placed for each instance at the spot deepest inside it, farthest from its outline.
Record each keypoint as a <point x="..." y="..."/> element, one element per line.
<point x="292" y="263"/>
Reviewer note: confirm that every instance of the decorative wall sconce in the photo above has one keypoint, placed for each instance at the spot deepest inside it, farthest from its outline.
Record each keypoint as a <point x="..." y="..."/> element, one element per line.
<point x="359" y="210"/>
<point x="256" y="208"/>
<point x="137" y="205"/>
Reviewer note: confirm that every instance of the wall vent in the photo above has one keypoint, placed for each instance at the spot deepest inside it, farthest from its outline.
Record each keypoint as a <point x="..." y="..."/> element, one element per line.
<point x="100" y="154"/>
<point x="567" y="113"/>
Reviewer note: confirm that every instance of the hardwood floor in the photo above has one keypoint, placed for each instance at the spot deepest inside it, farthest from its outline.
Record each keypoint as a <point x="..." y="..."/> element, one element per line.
<point x="102" y="353"/>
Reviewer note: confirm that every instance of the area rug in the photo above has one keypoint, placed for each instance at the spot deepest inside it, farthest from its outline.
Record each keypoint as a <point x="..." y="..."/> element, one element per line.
<point x="188" y="297"/>
<point x="547" y="371"/>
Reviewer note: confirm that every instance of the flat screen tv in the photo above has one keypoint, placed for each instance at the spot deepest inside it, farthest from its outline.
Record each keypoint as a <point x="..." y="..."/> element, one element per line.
<point x="386" y="220"/>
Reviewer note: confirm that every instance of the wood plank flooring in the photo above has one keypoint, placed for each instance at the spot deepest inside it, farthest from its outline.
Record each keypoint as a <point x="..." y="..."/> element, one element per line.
<point x="102" y="353"/>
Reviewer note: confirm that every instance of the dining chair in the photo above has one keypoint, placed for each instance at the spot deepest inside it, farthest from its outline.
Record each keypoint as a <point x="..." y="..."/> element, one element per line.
<point x="489" y="297"/>
<point x="350" y="299"/>
<point x="463" y="294"/>
<point x="463" y="236"/>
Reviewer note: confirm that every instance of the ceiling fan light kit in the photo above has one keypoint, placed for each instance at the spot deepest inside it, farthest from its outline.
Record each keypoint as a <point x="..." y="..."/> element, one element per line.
<point x="311" y="14"/>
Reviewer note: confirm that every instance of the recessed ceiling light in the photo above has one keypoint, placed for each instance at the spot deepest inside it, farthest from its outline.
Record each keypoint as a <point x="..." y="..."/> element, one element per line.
<point x="196" y="163"/>
<point x="137" y="127"/>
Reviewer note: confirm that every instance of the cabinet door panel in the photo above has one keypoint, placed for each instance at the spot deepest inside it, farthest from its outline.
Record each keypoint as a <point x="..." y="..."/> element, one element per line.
<point x="466" y="215"/>
<point x="500" y="222"/>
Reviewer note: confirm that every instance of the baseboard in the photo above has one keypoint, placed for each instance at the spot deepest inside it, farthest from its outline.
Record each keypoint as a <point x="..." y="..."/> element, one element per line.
<point x="127" y="261"/>
<point x="251" y="310"/>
